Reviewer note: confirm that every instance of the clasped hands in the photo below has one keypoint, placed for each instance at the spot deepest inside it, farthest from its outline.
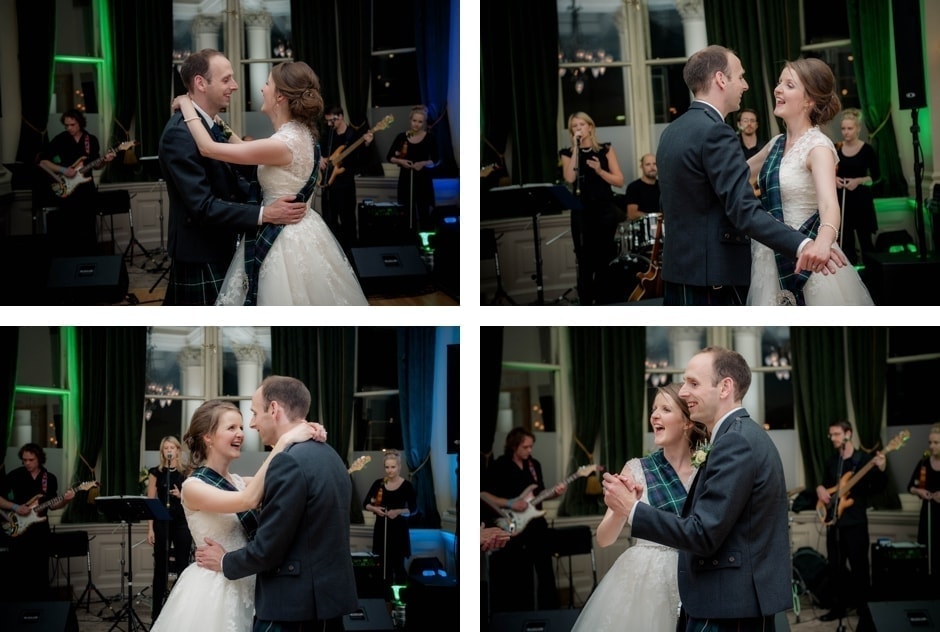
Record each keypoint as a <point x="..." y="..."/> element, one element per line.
<point x="820" y="256"/>
<point x="621" y="492"/>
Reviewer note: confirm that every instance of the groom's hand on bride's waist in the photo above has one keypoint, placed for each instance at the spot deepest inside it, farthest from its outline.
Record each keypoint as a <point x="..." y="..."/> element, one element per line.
<point x="284" y="211"/>
<point x="210" y="555"/>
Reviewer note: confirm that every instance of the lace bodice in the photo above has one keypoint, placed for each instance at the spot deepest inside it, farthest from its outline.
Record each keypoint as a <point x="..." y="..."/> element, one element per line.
<point x="278" y="181"/>
<point x="223" y="528"/>
<point x="797" y="189"/>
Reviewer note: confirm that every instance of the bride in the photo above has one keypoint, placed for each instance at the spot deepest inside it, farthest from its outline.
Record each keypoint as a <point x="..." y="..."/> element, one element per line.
<point x="299" y="264"/>
<point x="797" y="177"/>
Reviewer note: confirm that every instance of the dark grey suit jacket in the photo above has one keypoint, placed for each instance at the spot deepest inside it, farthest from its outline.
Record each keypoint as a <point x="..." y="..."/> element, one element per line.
<point x="709" y="209"/>
<point x="734" y="548"/>
<point x="301" y="551"/>
<point x="208" y="199"/>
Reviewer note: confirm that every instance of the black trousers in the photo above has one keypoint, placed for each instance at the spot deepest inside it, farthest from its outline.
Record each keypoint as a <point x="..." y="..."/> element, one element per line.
<point x="164" y="532"/>
<point x="849" y="565"/>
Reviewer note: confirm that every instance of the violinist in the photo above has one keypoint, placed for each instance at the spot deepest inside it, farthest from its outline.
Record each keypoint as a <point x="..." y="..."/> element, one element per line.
<point x="925" y="484"/>
<point x="392" y="499"/>
<point x="415" y="152"/>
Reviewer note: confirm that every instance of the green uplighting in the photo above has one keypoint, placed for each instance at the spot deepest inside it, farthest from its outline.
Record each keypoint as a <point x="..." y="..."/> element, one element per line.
<point x="425" y="237"/>
<point x="396" y="590"/>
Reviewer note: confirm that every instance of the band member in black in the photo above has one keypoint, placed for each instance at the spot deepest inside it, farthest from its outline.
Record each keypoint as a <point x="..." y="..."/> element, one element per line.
<point x="339" y="183"/>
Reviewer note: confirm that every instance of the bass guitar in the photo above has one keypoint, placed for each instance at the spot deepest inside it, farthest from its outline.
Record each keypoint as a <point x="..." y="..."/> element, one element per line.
<point x="334" y="162"/>
<point x="514" y="522"/>
<point x="64" y="186"/>
<point x="840" y="501"/>
<point x="359" y="463"/>
<point x="650" y="283"/>
<point x="15" y="524"/>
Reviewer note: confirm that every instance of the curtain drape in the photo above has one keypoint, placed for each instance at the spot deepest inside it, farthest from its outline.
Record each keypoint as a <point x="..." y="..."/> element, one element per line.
<point x="10" y="341"/>
<point x="871" y="45"/>
<point x="737" y="25"/>
<point x="111" y="382"/>
<point x="36" y="50"/>
<point x="313" y="30"/>
<point x="867" y="349"/>
<point x="818" y="393"/>
<point x="607" y="375"/>
<point x="416" y="393"/>
<point x="294" y="353"/>
<point x="519" y="82"/>
<point x="432" y="44"/>
<point x="491" y="375"/>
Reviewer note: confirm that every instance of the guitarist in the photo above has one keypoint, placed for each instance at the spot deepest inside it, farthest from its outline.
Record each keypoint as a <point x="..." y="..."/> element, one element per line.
<point x="28" y="574"/>
<point x="339" y="196"/>
<point x="847" y="538"/>
<point x="510" y="572"/>
<point x="72" y="227"/>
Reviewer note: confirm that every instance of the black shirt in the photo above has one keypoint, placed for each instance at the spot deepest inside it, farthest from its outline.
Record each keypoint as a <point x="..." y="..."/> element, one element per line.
<point x="644" y="195"/>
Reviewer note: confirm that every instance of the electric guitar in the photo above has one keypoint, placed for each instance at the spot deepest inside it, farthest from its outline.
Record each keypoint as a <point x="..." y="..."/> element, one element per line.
<point x="334" y="162"/>
<point x="16" y="524"/>
<point x="359" y="463"/>
<point x="840" y="501"/>
<point x="514" y="522"/>
<point x="64" y="185"/>
<point x="650" y="283"/>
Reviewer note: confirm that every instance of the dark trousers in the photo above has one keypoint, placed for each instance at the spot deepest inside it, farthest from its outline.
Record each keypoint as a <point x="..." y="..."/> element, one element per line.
<point x="682" y="294"/>
<point x="751" y="624"/>
<point x="521" y="574"/>
<point x="595" y="249"/>
<point x="339" y="212"/>
<point x="182" y="545"/>
<point x="849" y="545"/>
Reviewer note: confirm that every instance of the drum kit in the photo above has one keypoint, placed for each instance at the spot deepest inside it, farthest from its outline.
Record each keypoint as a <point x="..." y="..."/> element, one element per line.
<point x="639" y="254"/>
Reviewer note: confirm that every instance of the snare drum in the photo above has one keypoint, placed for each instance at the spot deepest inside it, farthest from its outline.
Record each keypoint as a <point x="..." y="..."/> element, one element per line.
<point x="643" y="232"/>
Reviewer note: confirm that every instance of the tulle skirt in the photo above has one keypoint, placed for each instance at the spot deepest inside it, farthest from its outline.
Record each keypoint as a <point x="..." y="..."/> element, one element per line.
<point x="844" y="287"/>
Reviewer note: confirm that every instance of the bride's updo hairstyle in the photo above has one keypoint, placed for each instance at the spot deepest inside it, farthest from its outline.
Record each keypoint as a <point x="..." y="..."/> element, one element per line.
<point x="301" y="87"/>
<point x="820" y="86"/>
<point x="204" y="422"/>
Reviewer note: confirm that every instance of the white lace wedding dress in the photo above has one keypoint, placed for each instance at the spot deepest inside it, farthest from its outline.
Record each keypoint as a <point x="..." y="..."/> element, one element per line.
<point x="640" y="591"/>
<point x="306" y="265"/>
<point x="798" y="196"/>
<point x="205" y="600"/>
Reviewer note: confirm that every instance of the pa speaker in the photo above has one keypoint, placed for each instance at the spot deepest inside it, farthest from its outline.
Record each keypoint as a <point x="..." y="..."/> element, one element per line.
<point x="38" y="616"/>
<point x="899" y="572"/>
<point x="386" y="223"/>
<point x="909" y="54"/>
<point x="370" y="616"/>
<point x="426" y="598"/>
<point x="383" y="269"/>
<point x="87" y="280"/>
<point x="905" y="616"/>
<point x="902" y="278"/>
<point x="535" y="621"/>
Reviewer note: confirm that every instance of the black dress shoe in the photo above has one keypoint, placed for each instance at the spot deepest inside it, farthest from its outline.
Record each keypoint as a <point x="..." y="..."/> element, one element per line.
<point x="833" y="615"/>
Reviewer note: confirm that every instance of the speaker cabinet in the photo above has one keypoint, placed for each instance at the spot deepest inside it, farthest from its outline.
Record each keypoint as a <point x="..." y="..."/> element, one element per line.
<point x="369" y="582"/>
<point x="383" y="224"/>
<point x="899" y="572"/>
<point x="38" y="616"/>
<point x="389" y="269"/>
<point x="909" y="54"/>
<point x="536" y="621"/>
<point x="371" y="616"/>
<point x="87" y="280"/>
<point x="905" y="616"/>
<point x="432" y="603"/>
<point x="902" y="278"/>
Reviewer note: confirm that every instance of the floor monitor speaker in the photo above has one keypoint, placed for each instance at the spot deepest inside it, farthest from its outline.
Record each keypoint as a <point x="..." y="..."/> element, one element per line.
<point x="905" y="616"/>
<point x="389" y="269"/>
<point x="94" y="280"/>
<point x="38" y="616"/>
<point x="371" y="616"/>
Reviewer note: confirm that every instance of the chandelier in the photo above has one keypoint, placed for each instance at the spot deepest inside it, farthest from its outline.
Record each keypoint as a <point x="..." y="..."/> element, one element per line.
<point x="779" y="359"/>
<point x="158" y="395"/>
<point x="655" y="373"/>
<point x="589" y="62"/>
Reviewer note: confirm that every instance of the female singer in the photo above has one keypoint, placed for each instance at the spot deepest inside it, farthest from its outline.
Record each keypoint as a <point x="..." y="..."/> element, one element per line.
<point x="856" y="171"/>
<point x="415" y="151"/>
<point x="925" y="484"/>
<point x="392" y="499"/>
<point x="164" y="482"/>
<point x="593" y="169"/>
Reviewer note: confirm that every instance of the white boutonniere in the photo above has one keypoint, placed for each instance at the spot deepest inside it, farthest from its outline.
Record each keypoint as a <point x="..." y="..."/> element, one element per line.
<point x="701" y="454"/>
<point x="226" y="130"/>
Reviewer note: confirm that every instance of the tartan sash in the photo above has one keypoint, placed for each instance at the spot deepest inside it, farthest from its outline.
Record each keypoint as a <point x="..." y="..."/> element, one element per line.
<point x="249" y="519"/>
<point x="258" y="246"/>
<point x="663" y="486"/>
<point x="791" y="284"/>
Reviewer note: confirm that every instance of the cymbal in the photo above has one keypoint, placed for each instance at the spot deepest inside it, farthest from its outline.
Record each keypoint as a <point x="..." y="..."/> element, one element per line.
<point x="795" y="491"/>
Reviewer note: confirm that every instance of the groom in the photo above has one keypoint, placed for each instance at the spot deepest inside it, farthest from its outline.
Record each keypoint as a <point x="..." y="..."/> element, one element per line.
<point x="209" y="200"/>
<point x="301" y="551"/>
<point x="707" y="200"/>
<point x="734" y="549"/>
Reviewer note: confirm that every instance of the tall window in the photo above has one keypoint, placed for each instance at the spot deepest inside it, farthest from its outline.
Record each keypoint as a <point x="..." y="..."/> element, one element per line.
<point x="826" y="36"/>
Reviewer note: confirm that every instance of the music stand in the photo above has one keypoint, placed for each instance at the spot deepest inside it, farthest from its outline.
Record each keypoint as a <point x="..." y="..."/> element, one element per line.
<point x="536" y="200"/>
<point x="130" y="509"/>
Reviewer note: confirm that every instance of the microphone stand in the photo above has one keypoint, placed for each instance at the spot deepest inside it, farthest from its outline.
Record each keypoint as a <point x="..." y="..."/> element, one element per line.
<point x="166" y="544"/>
<point x="840" y="563"/>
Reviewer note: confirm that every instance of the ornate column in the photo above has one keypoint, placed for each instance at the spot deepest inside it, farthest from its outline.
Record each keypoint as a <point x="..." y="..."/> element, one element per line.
<point x="258" y="30"/>
<point x="693" y="24"/>
<point x="249" y="360"/>
<point x="192" y="364"/>
<point x="747" y="343"/>
<point x="205" y="29"/>
<point x="684" y="342"/>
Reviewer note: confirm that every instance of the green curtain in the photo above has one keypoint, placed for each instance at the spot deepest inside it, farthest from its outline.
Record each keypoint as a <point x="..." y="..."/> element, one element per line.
<point x="294" y="353"/>
<point x="818" y="393"/>
<point x="416" y="367"/>
<point x="607" y="382"/>
<point x="9" y="340"/>
<point x="519" y="81"/>
<point x="36" y="49"/>
<point x="491" y="375"/>
<point x="313" y="38"/>
<point x="874" y="66"/>
<point x="867" y="359"/>
<point x="111" y="380"/>
<point x="763" y="34"/>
